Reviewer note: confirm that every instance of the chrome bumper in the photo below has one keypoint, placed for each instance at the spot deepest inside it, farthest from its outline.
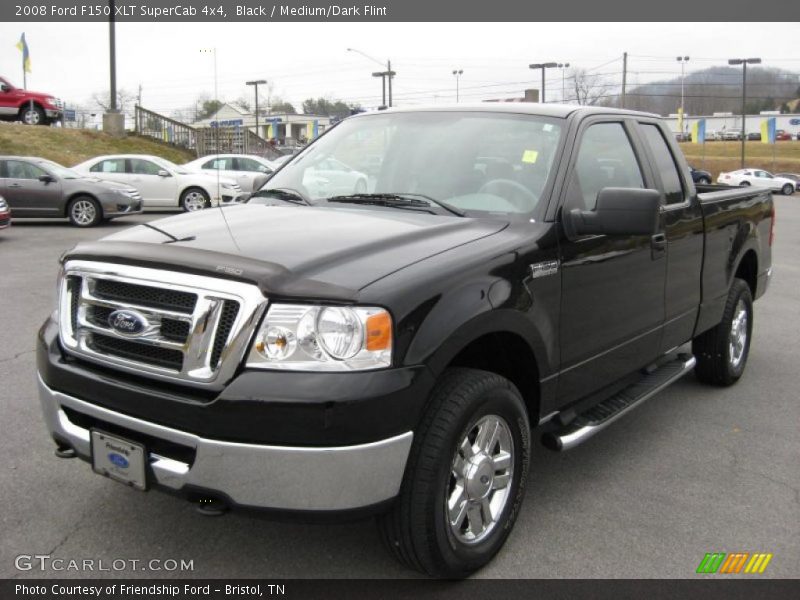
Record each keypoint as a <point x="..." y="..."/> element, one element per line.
<point x="281" y="477"/>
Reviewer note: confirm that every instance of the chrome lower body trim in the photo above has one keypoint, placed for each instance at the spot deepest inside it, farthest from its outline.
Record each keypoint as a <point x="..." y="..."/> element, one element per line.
<point x="280" y="477"/>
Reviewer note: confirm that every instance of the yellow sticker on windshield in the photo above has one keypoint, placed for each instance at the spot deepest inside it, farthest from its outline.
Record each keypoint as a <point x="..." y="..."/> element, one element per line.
<point x="530" y="156"/>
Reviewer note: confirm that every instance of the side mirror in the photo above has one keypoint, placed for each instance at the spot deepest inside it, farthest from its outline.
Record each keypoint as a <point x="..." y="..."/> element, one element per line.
<point x="620" y="212"/>
<point x="47" y="178"/>
<point x="163" y="173"/>
<point x="5" y="87"/>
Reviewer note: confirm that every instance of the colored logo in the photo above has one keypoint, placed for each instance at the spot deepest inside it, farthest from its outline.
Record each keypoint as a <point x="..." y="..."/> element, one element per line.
<point x="127" y="322"/>
<point x="118" y="460"/>
<point x="734" y="563"/>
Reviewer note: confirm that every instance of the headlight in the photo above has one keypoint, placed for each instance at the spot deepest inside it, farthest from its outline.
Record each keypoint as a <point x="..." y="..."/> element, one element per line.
<point x="323" y="338"/>
<point x="3" y="204"/>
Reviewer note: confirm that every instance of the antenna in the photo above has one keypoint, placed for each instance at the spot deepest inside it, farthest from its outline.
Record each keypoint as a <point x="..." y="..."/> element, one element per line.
<point x="216" y="144"/>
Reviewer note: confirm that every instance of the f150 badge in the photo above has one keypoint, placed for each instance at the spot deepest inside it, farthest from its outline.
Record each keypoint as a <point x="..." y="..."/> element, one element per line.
<point x="542" y="269"/>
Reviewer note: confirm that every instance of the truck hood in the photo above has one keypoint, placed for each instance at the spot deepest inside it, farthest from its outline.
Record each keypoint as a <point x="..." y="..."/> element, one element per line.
<point x="306" y="252"/>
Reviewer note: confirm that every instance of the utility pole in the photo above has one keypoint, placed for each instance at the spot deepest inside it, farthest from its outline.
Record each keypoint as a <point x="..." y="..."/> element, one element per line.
<point x="382" y="75"/>
<point x="624" y="77"/>
<point x="387" y="74"/>
<point x="543" y="66"/>
<point x="113" y="120"/>
<point x="744" y="62"/>
<point x="683" y="60"/>
<point x="563" y="67"/>
<point x="457" y="73"/>
<point x="255" y="84"/>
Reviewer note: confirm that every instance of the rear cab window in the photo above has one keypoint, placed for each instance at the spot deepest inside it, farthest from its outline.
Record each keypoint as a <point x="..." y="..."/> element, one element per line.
<point x="664" y="163"/>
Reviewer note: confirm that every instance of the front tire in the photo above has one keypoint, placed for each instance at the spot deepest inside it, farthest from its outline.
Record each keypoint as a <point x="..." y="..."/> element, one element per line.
<point x="704" y="181"/>
<point x="84" y="211"/>
<point x="465" y="478"/>
<point x="194" y="199"/>
<point x="722" y="351"/>
<point x="32" y="115"/>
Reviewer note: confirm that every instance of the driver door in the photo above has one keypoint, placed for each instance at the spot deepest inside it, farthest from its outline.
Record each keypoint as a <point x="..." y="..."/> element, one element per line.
<point x="612" y="287"/>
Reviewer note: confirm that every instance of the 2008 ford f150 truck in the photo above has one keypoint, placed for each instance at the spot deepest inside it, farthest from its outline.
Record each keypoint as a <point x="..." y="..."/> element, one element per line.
<point x="509" y="270"/>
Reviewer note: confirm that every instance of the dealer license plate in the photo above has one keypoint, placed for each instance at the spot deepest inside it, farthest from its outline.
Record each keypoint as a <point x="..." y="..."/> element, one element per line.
<point x="119" y="459"/>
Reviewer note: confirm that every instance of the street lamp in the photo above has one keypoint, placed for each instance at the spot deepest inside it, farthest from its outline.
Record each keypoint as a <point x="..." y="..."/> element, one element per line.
<point x="543" y="66"/>
<point x="683" y="60"/>
<point x="458" y="73"/>
<point x="744" y="62"/>
<point x="384" y="75"/>
<point x="563" y="67"/>
<point x="255" y="84"/>
<point x="213" y="51"/>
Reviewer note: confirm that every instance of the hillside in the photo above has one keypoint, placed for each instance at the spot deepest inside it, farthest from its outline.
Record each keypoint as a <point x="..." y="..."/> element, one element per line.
<point x="72" y="146"/>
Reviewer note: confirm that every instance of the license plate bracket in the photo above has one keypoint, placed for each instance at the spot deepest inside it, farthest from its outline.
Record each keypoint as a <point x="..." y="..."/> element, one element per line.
<point x="119" y="459"/>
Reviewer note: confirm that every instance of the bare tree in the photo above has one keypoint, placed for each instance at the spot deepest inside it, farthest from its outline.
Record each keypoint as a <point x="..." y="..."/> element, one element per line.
<point x="588" y="89"/>
<point x="124" y="99"/>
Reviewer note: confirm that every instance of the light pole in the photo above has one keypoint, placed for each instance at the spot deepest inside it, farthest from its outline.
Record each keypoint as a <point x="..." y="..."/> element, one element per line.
<point x="255" y="84"/>
<point x="387" y="74"/>
<point x="563" y="67"/>
<point x="543" y="66"/>
<point x="744" y="62"/>
<point x="216" y="94"/>
<point x="683" y="60"/>
<point x="458" y="73"/>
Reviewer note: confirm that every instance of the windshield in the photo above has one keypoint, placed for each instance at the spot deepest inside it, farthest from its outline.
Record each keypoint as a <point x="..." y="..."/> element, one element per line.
<point x="60" y="171"/>
<point x="476" y="162"/>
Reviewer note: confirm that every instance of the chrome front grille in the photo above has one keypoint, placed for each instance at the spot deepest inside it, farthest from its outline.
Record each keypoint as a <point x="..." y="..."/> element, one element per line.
<point x="173" y="326"/>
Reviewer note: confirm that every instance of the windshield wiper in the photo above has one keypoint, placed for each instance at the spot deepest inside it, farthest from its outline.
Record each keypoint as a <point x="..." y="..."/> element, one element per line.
<point x="399" y="200"/>
<point x="287" y="194"/>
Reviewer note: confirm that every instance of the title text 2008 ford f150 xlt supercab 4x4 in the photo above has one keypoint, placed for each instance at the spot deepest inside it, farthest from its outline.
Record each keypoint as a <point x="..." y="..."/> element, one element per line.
<point x="509" y="270"/>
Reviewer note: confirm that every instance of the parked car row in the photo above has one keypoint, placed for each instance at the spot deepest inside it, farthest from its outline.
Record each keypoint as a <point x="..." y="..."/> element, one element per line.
<point x="730" y="135"/>
<point x="107" y="187"/>
<point x="760" y="178"/>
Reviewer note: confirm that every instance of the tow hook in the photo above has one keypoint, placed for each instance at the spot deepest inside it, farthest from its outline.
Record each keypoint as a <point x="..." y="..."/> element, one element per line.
<point x="64" y="451"/>
<point x="211" y="507"/>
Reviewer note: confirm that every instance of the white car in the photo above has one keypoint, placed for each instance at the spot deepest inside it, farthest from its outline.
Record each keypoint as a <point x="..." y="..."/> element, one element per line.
<point x="250" y="172"/>
<point x="162" y="183"/>
<point x="331" y="177"/>
<point x="759" y="178"/>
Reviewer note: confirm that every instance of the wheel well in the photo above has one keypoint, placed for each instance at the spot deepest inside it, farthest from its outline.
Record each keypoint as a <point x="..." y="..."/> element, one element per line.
<point x="28" y="103"/>
<point x="80" y="195"/>
<point x="748" y="270"/>
<point x="510" y="356"/>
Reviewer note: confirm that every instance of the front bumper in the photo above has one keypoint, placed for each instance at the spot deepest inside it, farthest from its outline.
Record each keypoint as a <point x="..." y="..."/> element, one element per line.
<point x="53" y="113"/>
<point x="120" y="207"/>
<point x="264" y="476"/>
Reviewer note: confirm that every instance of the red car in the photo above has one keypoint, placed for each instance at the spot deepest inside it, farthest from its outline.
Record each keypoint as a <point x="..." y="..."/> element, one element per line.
<point x="5" y="214"/>
<point x="782" y="136"/>
<point x="33" y="108"/>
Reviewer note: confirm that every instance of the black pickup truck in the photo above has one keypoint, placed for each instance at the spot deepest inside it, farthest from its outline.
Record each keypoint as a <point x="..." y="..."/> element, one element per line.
<point x="337" y="349"/>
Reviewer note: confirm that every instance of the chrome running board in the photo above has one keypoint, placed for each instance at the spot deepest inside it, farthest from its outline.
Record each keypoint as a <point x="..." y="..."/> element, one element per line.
<point x="601" y="415"/>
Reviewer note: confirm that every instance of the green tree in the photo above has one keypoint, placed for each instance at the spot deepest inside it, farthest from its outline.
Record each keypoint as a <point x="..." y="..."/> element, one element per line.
<point x="328" y="107"/>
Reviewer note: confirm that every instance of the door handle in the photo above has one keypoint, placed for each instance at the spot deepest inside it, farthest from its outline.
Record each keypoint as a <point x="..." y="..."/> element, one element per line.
<point x="15" y="185"/>
<point x="658" y="245"/>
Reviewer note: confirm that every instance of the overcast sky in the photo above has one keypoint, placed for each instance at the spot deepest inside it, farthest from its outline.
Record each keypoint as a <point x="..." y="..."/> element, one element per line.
<point x="303" y="60"/>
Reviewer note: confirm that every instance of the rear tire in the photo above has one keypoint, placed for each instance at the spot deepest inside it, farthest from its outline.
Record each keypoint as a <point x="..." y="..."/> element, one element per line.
<point x="704" y="181"/>
<point x="465" y="478"/>
<point x="32" y="116"/>
<point x="722" y="351"/>
<point x="745" y="184"/>
<point x="787" y="190"/>
<point x="194" y="199"/>
<point x="84" y="211"/>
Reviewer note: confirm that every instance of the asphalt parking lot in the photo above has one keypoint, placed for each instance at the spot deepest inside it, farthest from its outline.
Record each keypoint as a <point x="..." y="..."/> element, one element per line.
<point x="694" y="470"/>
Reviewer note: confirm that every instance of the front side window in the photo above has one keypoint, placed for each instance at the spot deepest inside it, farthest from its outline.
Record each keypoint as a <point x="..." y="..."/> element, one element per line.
<point x="144" y="167"/>
<point x="605" y="159"/>
<point x="18" y="169"/>
<point x="484" y="162"/>
<point x="665" y="163"/>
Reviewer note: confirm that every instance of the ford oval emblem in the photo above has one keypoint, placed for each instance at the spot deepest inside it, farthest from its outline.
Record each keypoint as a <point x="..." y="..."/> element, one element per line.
<point x="127" y="322"/>
<point x="118" y="460"/>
